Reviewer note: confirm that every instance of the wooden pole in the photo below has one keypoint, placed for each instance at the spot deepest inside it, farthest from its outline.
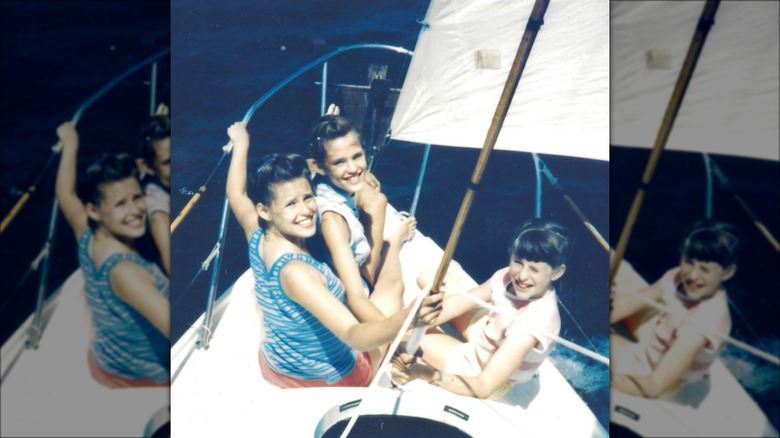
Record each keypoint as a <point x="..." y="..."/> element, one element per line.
<point x="532" y="28"/>
<point x="535" y="22"/>
<point x="186" y="210"/>
<point x="706" y="20"/>
<point x="26" y="196"/>
<point x="523" y="52"/>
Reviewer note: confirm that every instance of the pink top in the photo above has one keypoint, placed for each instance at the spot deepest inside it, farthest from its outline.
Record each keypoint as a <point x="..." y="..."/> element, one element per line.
<point x="532" y="317"/>
<point x="709" y="317"/>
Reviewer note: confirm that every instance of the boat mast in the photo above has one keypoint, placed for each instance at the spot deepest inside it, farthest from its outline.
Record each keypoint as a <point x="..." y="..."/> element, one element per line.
<point x="706" y="20"/>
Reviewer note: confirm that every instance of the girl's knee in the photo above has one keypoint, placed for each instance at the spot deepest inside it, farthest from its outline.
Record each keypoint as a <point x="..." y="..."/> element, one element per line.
<point x="425" y="277"/>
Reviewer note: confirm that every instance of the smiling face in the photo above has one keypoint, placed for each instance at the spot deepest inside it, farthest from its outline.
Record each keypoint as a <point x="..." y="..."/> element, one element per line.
<point x="292" y="211"/>
<point x="122" y="209"/>
<point x="345" y="162"/>
<point x="532" y="279"/>
<point x="701" y="280"/>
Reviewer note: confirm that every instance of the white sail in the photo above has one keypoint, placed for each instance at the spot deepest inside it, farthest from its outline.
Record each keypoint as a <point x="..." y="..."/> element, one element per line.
<point x="462" y="60"/>
<point x="732" y="105"/>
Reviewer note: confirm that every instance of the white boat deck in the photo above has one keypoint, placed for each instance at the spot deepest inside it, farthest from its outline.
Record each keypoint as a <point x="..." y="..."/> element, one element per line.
<point x="715" y="406"/>
<point x="49" y="391"/>
<point x="219" y="391"/>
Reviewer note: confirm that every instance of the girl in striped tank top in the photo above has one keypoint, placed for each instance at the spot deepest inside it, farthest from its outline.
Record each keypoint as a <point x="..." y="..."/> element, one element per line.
<point x="127" y="295"/>
<point x="311" y="337"/>
<point x="501" y="349"/>
<point x="677" y="345"/>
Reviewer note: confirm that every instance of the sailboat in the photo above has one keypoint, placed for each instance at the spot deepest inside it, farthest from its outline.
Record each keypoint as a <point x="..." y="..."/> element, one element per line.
<point x="449" y="95"/>
<point x="729" y="114"/>
<point x="46" y="388"/>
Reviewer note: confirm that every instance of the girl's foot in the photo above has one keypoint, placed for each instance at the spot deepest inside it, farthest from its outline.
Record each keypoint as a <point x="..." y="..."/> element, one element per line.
<point x="404" y="232"/>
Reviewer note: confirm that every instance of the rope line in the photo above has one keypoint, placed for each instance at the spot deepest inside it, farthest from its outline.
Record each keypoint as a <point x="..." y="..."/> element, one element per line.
<point x="747" y="323"/>
<point x="590" y="341"/>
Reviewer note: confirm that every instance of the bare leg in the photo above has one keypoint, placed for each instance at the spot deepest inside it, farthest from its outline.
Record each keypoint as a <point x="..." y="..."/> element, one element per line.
<point x="436" y="348"/>
<point x="389" y="290"/>
<point x="373" y="208"/>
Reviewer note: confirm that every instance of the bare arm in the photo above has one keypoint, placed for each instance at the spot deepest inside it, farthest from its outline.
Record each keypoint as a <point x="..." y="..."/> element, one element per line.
<point x="65" y="188"/>
<point x="673" y="364"/>
<point x="625" y="304"/>
<point x="136" y="287"/>
<point x="335" y="232"/>
<point x="454" y="304"/>
<point x="305" y="285"/>
<point x="373" y="208"/>
<point x="240" y="204"/>
<point x="161" y="233"/>
<point x="509" y="356"/>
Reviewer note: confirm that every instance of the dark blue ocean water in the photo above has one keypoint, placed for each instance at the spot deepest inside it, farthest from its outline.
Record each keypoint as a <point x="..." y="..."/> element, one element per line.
<point x="55" y="56"/>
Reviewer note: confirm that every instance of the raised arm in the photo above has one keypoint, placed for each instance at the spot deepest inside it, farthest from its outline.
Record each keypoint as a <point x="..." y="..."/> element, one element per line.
<point x="305" y="285"/>
<point x="240" y="204"/>
<point x="135" y="286"/>
<point x="335" y="233"/>
<point x="65" y="188"/>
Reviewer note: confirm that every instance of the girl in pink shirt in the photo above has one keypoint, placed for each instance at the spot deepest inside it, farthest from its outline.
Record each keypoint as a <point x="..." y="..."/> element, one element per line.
<point x="677" y="345"/>
<point x="501" y="348"/>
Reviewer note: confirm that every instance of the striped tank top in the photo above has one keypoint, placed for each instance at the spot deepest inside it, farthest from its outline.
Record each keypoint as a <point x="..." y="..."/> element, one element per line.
<point x="125" y="343"/>
<point x="296" y="343"/>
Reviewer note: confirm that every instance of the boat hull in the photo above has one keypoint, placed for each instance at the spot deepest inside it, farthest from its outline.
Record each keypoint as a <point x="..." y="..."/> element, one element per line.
<point x="220" y="391"/>
<point x="49" y="391"/>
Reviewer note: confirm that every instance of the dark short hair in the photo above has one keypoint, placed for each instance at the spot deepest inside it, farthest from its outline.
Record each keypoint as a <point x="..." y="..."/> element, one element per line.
<point x="327" y="128"/>
<point x="156" y="128"/>
<point x="712" y="241"/>
<point x="541" y="240"/>
<point x="106" y="168"/>
<point x="276" y="168"/>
